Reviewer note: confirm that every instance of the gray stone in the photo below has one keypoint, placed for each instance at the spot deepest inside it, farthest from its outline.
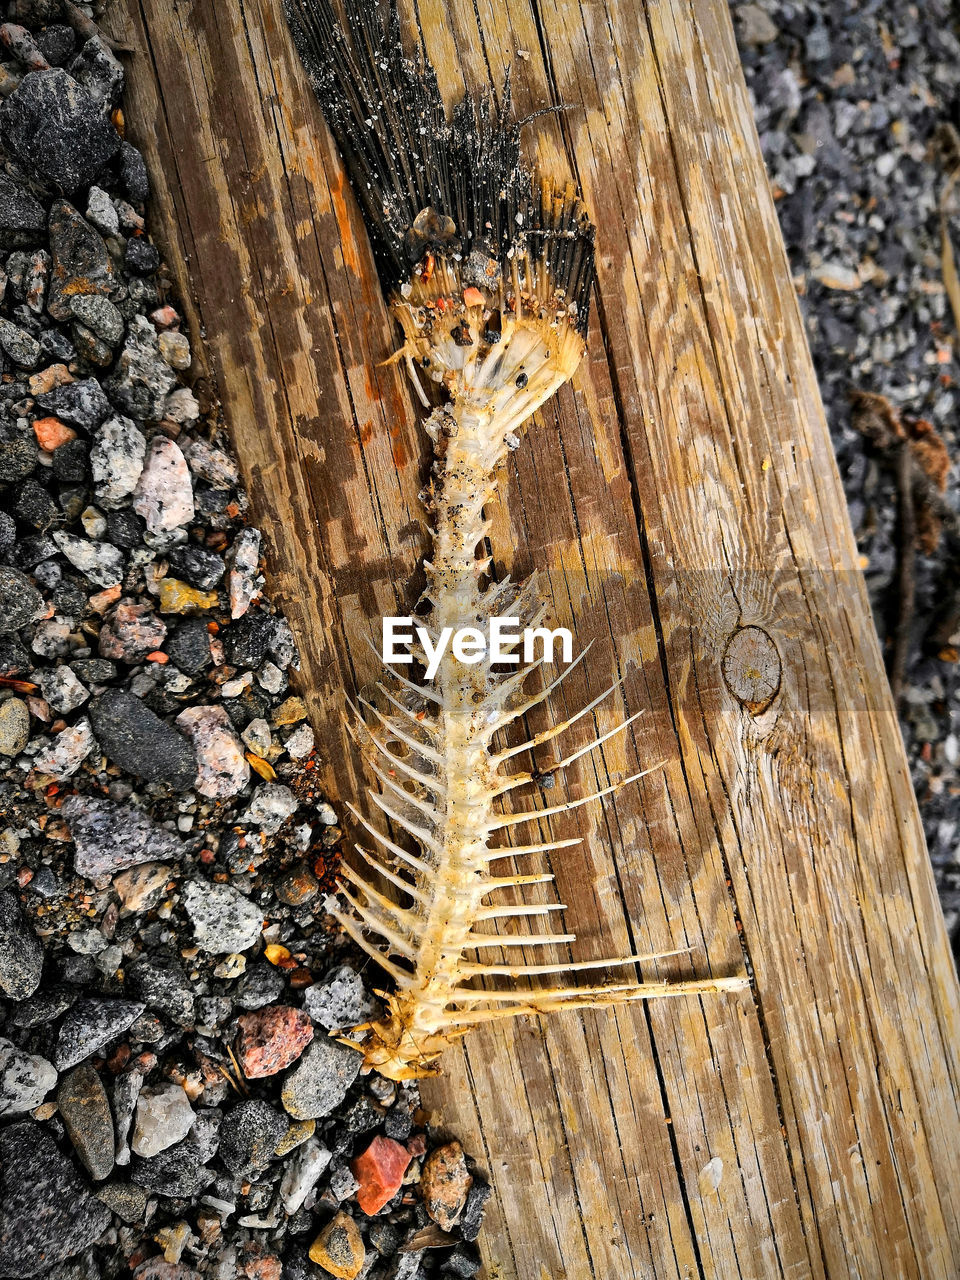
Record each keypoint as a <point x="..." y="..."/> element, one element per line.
<point x="23" y="220"/>
<point x="81" y="263"/>
<point x="133" y="173"/>
<point x="101" y="212"/>
<point x="249" y="1135"/>
<point x="18" y="458"/>
<point x="45" y="1006"/>
<point x="20" y="601"/>
<point x="223" y="919"/>
<point x="100" y="315"/>
<point x="101" y="562"/>
<point x="140" y="742"/>
<point x="160" y="982"/>
<point x="340" y="1001"/>
<point x="21" y="952"/>
<point x="46" y="1211"/>
<point x="197" y="565"/>
<point x="261" y="985"/>
<point x="126" y="1090"/>
<point x="321" y="1079"/>
<point x="22" y="347"/>
<point x="25" y="1079"/>
<point x="189" y="646"/>
<point x="110" y="837"/>
<point x="58" y="129"/>
<point x="127" y="1201"/>
<point x="175" y="1172"/>
<point x="99" y="71"/>
<point x="89" y="1025"/>
<point x="81" y="403"/>
<point x="142" y="378"/>
<point x="86" y="1115"/>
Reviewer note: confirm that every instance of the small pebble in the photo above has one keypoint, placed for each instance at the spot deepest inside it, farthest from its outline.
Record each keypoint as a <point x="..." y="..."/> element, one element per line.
<point x="164" y="492"/>
<point x="321" y="1079"/>
<point x="21" y="954"/>
<point x="222" y="769"/>
<point x="164" y="1117"/>
<point x="25" y="1079"/>
<point x="14" y="726"/>
<point x="223" y="919"/>
<point x="86" y="1115"/>
<point x="271" y="1039"/>
<point x="379" y="1171"/>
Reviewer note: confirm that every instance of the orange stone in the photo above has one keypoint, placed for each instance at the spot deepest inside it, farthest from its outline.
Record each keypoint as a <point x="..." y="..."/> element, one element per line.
<point x="472" y="297"/>
<point x="55" y="375"/>
<point x="51" y="433"/>
<point x="104" y="599"/>
<point x="379" y="1170"/>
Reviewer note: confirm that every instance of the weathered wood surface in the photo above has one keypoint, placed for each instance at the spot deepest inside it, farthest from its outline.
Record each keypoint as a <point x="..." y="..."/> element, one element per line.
<point x="682" y="489"/>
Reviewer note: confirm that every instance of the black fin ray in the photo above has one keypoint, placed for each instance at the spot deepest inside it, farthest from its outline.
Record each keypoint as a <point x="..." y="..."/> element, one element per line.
<point x="427" y="183"/>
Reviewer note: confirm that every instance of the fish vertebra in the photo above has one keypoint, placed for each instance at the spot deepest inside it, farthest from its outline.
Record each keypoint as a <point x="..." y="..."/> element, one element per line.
<point x="489" y="277"/>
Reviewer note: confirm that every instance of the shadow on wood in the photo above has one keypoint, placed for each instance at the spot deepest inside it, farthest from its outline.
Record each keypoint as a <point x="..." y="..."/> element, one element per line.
<point x="684" y="498"/>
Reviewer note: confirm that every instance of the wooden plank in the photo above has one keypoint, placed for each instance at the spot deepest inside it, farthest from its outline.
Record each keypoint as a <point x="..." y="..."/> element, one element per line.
<point x="682" y="491"/>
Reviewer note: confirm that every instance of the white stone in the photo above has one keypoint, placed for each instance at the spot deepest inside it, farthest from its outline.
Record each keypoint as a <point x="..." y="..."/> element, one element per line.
<point x="209" y="463"/>
<point x="94" y="522"/>
<point x="242" y="578"/>
<point x="271" y="806"/>
<point x="222" y="769"/>
<point x="100" y="561"/>
<point x="181" y="406"/>
<point x="175" y="349"/>
<point x="70" y="749"/>
<point x="25" y="1079"/>
<point x="116" y="461"/>
<point x="271" y="677"/>
<point x="164" y="493"/>
<point x="300" y="743"/>
<point x="62" y="689"/>
<point x="164" y="1117"/>
<point x="257" y="736"/>
<point x="303" y="1173"/>
<point x="834" y="275"/>
<point x="223" y="919"/>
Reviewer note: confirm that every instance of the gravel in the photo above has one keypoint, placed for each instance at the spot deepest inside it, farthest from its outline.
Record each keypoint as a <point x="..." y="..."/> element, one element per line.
<point x="851" y="104"/>
<point x="168" y="969"/>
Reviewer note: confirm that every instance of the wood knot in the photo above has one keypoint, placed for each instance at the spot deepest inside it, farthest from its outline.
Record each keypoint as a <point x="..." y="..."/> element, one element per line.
<point x="752" y="668"/>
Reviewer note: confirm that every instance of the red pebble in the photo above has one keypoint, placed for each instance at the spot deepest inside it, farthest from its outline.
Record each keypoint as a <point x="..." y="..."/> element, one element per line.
<point x="270" y="1039"/>
<point x="379" y="1170"/>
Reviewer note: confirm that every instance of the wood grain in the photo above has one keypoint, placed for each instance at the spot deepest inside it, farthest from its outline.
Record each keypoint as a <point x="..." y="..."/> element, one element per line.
<point x="682" y="498"/>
